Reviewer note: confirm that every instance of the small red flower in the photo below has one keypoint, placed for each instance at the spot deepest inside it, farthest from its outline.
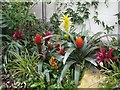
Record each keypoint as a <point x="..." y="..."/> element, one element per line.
<point x="79" y="42"/>
<point x="61" y="50"/>
<point x="38" y="39"/>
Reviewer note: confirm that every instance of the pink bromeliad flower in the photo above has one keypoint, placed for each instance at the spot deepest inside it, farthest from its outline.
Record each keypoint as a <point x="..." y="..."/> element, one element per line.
<point x="103" y="55"/>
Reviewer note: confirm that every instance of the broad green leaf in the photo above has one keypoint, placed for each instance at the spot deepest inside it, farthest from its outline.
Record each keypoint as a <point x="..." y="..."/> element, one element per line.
<point x="91" y="60"/>
<point x="46" y="72"/>
<point x="68" y="52"/>
<point x="59" y="57"/>
<point x="66" y="67"/>
<point x="77" y="74"/>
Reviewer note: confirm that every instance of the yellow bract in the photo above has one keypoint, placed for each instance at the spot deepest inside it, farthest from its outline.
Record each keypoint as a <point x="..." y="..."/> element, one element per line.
<point x="53" y="63"/>
<point x="66" y="22"/>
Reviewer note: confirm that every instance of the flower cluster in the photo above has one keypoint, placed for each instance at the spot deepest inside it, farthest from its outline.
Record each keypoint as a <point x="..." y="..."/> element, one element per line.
<point x="103" y="55"/>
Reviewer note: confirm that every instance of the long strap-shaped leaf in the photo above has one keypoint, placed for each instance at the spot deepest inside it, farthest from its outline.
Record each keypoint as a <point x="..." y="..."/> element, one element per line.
<point x="47" y="74"/>
<point x="40" y="64"/>
<point x="69" y="51"/>
<point x="66" y="67"/>
<point x="77" y="74"/>
<point x="91" y="60"/>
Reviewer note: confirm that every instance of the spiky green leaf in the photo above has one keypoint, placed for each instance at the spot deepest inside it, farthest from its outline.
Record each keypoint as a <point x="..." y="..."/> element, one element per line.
<point x="68" y="52"/>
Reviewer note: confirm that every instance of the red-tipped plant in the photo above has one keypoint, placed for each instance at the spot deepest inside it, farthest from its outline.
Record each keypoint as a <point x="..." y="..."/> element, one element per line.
<point x="103" y="55"/>
<point x="61" y="50"/>
<point x="38" y="41"/>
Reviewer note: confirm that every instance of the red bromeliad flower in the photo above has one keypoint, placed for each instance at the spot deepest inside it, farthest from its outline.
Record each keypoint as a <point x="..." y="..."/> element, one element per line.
<point x="38" y="39"/>
<point x="79" y="42"/>
<point x="61" y="50"/>
<point x="49" y="34"/>
<point x="103" y="55"/>
<point x="17" y="35"/>
<point x="53" y="63"/>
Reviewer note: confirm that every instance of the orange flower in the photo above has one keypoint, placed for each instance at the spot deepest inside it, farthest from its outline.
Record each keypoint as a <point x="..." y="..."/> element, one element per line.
<point x="53" y="63"/>
<point x="79" y="42"/>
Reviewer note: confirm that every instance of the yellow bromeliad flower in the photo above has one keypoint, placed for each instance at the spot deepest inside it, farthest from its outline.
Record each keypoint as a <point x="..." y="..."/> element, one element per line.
<point x="66" y="22"/>
<point x="53" y="63"/>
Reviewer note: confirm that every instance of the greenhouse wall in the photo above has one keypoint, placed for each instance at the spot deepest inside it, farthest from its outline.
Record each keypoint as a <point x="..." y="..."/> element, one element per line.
<point x="106" y="13"/>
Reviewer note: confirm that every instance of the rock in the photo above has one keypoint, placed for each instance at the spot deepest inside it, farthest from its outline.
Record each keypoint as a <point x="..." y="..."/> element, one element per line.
<point x="90" y="79"/>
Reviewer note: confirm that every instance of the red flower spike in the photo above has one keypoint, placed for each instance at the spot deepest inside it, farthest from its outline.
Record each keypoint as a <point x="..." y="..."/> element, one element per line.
<point x="38" y="39"/>
<point x="79" y="42"/>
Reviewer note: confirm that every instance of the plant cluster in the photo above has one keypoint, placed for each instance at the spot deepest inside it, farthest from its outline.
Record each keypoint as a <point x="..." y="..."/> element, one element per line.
<point x="52" y="54"/>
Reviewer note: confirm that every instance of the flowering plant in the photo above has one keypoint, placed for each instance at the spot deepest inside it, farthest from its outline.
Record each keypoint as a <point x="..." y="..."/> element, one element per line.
<point x="65" y="52"/>
<point x="107" y="56"/>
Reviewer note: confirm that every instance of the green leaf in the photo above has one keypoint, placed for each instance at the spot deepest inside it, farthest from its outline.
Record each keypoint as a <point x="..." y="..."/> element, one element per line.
<point x="95" y="36"/>
<point x="91" y="60"/>
<point x="84" y="44"/>
<point x="35" y="84"/>
<point x="68" y="52"/>
<point x="40" y="64"/>
<point x="59" y="57"/>
<point x="77" y="74"/>
<point x="66" y="67"/>
<point x="46" y="72"/>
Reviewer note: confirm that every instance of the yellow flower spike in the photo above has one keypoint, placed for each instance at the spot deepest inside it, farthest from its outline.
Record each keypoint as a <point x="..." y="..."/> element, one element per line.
<point x="51" y="60"/>
<point x="66" y="22"/>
